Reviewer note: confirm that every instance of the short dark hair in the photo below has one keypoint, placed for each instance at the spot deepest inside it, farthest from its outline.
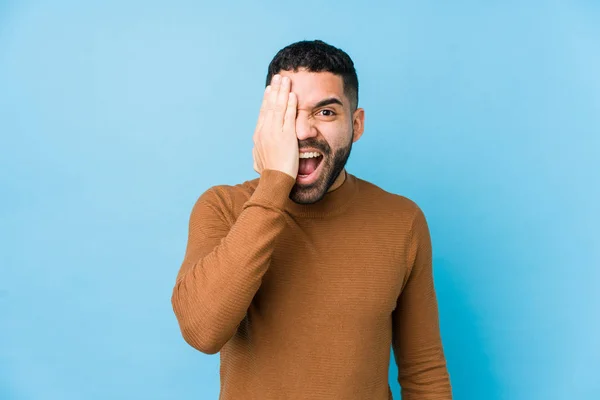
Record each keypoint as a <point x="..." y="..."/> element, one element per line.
<point x="317" y="56"/>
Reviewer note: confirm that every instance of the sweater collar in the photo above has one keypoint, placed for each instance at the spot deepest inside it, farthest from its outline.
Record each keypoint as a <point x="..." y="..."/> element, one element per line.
<point x="333" y="203"/>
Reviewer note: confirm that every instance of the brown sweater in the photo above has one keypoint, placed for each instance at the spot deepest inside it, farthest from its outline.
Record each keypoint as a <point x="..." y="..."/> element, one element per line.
<point x="304" y="301"/>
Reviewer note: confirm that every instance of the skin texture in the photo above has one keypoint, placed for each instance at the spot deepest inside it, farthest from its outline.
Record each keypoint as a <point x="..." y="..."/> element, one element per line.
<point x="288" y="124"/>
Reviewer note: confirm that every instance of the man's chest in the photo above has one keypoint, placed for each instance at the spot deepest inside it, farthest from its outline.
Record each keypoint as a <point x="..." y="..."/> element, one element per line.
<point x="344" y="274"/>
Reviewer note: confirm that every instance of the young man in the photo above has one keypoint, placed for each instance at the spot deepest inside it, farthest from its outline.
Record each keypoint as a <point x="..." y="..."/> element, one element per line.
<point x="304" y="277"/>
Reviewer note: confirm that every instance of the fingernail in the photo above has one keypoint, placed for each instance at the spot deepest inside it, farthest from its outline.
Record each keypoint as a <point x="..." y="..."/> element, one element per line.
<point x="276" y="78"/>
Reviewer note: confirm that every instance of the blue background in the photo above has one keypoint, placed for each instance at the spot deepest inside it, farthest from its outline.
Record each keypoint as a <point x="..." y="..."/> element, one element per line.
<point x="116" y="116"/>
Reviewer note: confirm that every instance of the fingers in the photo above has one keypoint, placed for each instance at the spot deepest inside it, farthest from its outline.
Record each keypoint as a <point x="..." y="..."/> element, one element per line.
<point x="263" y="107"/>
<point x="282" y="99"/>
<point x="275" y="84"/>
<point x="289" y="123"/>
<point x="277" y="114"/>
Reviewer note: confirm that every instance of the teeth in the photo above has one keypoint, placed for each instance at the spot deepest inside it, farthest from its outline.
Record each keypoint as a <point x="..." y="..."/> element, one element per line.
<point x="309" y="155"/>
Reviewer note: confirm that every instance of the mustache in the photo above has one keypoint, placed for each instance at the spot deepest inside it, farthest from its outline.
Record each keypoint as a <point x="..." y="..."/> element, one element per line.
<point x="313" y="143"/>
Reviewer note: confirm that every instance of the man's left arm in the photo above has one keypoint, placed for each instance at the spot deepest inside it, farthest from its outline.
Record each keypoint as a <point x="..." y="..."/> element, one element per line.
<point x="417" y="343"/>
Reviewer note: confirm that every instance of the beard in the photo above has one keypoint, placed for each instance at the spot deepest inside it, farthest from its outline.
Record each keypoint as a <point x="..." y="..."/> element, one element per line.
<point x="333" y="165"/>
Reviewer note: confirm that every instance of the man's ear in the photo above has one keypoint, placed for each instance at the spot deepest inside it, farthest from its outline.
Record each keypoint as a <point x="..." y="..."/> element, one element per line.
<point x="358" y="123"/>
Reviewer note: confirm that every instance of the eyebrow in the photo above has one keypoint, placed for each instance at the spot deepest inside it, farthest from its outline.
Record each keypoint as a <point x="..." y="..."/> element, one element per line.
<point x="328" y="101"/>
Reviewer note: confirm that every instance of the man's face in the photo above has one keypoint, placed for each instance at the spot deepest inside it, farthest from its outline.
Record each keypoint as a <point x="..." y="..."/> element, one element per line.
<point x="324" y="123"/>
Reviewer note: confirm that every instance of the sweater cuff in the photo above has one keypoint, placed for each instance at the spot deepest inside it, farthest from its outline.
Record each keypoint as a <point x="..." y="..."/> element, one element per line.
<point x="273" y="189"/>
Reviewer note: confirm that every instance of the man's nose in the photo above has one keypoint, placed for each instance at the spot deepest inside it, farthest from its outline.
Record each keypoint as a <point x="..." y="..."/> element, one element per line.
<point x="305" y="128"/>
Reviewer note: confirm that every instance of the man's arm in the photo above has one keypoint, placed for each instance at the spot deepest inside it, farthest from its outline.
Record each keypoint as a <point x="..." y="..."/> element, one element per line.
<point x="417" y="343"/>
<point x="223" y="268"/>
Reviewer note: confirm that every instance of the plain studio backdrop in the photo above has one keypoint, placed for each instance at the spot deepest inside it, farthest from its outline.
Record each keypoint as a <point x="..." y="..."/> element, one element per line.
<point x="115" y="116"/>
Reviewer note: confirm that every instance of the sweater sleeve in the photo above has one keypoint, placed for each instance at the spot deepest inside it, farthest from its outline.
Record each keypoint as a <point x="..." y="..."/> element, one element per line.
<point x="223" y="265"/>
<point x="417" y="343"/>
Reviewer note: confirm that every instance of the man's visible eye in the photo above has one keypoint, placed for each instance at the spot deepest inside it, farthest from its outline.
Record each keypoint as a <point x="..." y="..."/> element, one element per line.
<point x="327" y="113"/>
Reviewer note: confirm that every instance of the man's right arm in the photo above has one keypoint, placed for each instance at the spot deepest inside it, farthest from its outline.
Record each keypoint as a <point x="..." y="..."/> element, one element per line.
<point x="223" y="266"/>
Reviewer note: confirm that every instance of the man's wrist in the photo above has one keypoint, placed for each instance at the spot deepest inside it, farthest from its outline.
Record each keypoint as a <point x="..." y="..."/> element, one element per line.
<point x="274" y="187"/>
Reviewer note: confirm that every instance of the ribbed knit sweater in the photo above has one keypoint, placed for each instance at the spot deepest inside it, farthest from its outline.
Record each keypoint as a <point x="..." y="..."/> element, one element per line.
<point x="306" y="301"/>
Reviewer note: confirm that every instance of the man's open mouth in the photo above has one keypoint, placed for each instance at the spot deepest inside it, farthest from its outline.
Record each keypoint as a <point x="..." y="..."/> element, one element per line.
<point x="309" y="164"/>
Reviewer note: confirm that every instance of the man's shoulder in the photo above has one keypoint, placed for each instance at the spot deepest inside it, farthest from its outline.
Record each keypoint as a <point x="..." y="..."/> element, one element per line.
<point x="229" y="198"/>
<point x="385" y="199"/>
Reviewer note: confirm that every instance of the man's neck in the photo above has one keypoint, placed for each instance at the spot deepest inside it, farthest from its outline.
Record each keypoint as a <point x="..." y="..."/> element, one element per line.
<point x="339" y="181"/>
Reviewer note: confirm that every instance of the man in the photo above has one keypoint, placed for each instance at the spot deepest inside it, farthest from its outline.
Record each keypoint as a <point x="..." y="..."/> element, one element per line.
<point x="303" y="278"/>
